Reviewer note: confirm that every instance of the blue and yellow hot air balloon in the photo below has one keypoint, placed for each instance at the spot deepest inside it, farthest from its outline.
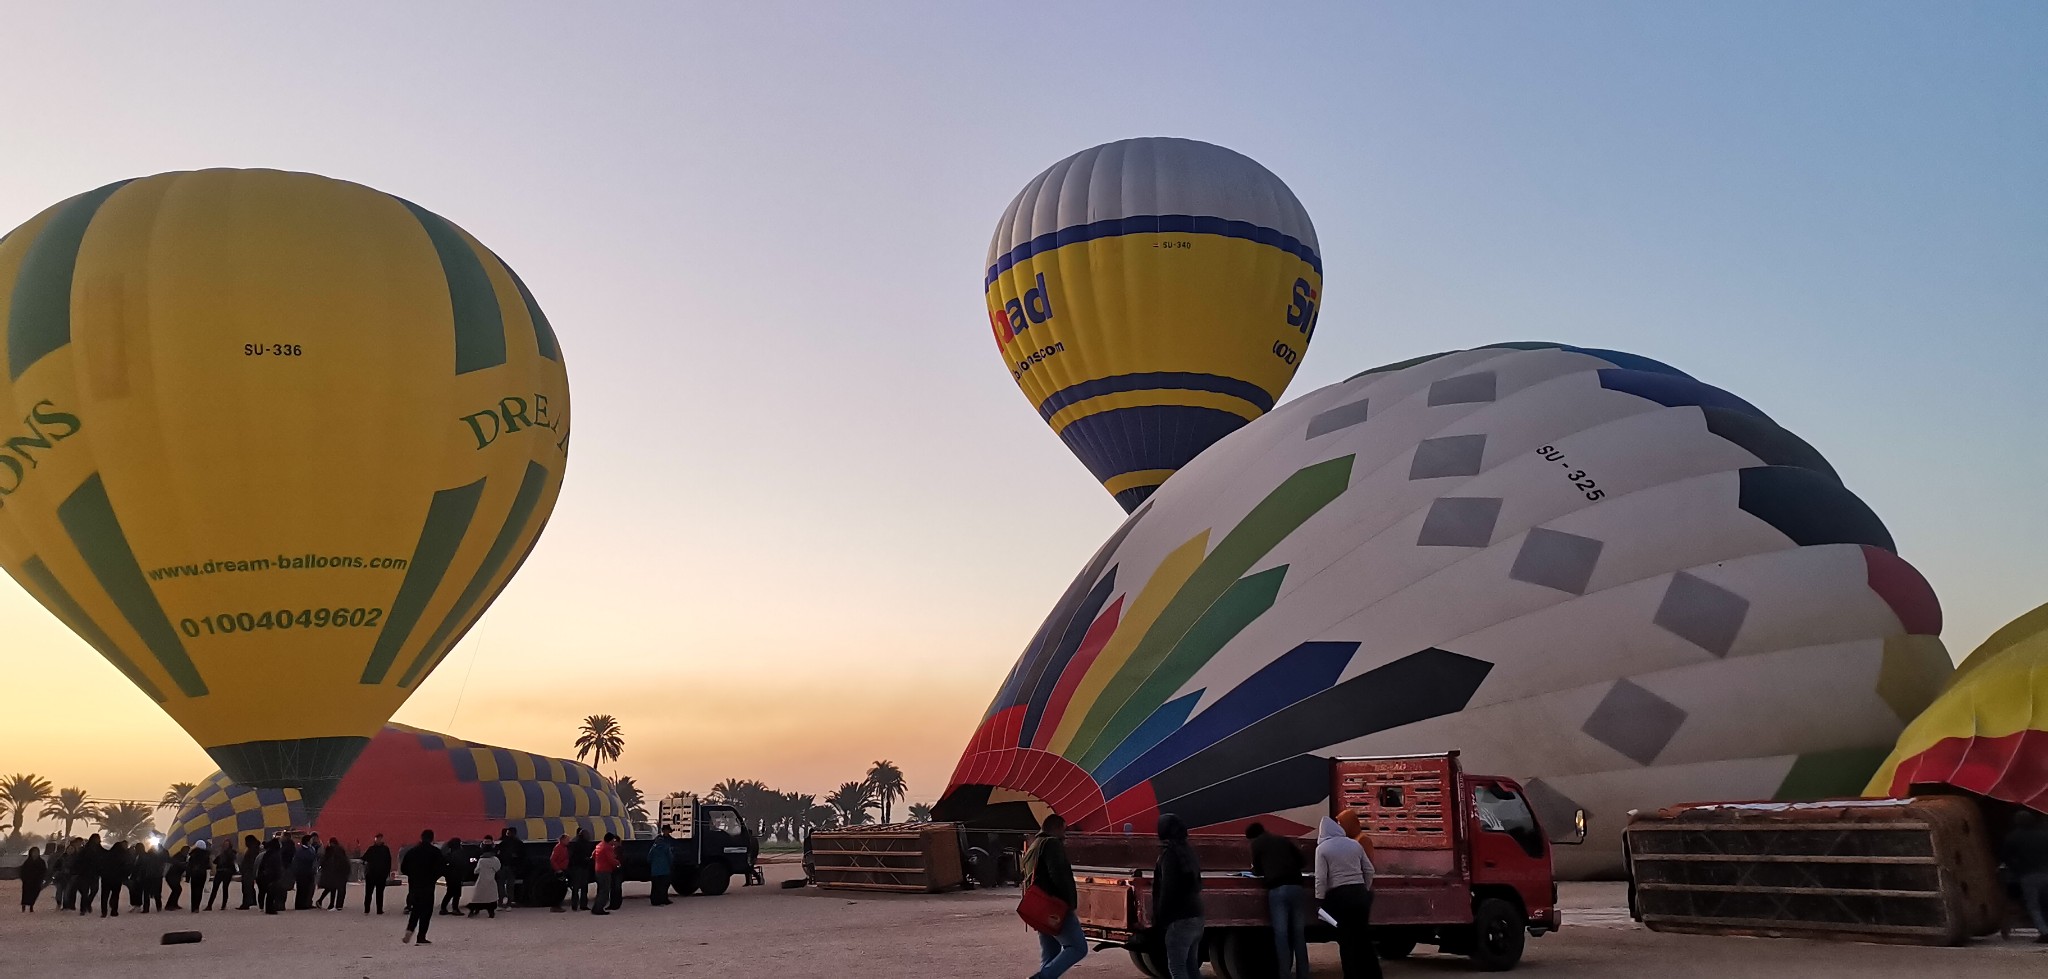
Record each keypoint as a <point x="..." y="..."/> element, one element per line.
<point x="1151" y="296"/>
<point x="270" y="442"/>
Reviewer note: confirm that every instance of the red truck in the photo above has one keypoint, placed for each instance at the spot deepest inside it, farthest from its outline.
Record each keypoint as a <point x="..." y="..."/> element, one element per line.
<point x="1461" y="863"/>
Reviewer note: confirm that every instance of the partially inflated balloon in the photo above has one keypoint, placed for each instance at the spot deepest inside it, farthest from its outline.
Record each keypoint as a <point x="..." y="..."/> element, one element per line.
<point x="1582" y="568"/>
<point x="1149" y="297"/>
<point x="273" y="443"/>
<point x="1988" y="732"/>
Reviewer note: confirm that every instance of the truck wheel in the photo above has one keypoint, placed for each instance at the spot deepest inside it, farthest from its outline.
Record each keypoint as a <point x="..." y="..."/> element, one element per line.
<point x="1498" y="931"/>
<point x="1244" y="953"/>
<point x="1150" y="961"/>
<point x="713" y="879"/>
<point x="1394" y="948"/>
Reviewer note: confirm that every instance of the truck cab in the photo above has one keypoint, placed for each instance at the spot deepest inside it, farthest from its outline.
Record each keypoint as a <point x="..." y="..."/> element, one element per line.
<point x="711" y="844"/>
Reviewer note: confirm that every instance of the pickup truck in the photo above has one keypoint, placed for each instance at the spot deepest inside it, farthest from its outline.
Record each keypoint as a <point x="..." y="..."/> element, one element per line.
<point x="710" y="848"/>
<point x="1461" y="863"/>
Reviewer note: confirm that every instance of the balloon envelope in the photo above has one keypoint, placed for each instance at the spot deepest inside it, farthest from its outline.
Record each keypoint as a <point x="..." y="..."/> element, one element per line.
<point x="1582" y="568"/>
<point x="1988" y="732"/>
<point x="276" y="440"/>
<point x="1150" y="296"/>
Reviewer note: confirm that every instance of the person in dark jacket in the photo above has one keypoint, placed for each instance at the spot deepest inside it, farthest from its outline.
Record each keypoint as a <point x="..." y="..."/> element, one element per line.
<point x="423" y="867"/>
<point x="455" y="869"/>
<point x="1277" y="863"/>
<point x="223" y="872"/>
<point x="198" y="860"/>
<point x="661" y="861"/>
<point x="115" y="869"/>
<point x="305" y="870"/>
<point x="174" y="875"/>
<point x="581" y="872"/>
<point x="1177" y="899"/>
<point x="511" y="857"/>
<point x="1046" y="868"/>
<point x="252" y="855"/>
<point x="2024" y="851"/>
<point x="270" y="875"/>
<point x="376" y="873"/>
<point x="85" y="872"/>
<point x="335" y="868"/>
<point x="149" y="877"/>
<point x="32" y="871"/>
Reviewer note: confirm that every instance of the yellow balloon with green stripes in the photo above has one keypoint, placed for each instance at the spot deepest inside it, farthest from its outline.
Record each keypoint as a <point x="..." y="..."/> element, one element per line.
<point x="1149" y="297"/>
<point x="271" y="443"/>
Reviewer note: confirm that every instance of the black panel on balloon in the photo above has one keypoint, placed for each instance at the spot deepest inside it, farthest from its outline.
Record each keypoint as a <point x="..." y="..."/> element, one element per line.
<point x="1760" y="437"/>
<point x="1811" y="508"/>
<point x="1303" y="780"/>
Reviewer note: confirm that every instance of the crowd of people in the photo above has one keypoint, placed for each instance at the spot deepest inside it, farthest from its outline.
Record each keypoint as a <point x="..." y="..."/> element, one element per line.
<point x="1342" y="877"/>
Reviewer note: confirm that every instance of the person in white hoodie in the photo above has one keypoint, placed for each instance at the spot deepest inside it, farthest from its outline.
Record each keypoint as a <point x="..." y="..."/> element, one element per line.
<point x="1344" y="886"/>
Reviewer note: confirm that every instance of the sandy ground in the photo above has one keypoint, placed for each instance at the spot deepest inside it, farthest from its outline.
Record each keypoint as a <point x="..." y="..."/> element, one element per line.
<point x="768" y="931"/>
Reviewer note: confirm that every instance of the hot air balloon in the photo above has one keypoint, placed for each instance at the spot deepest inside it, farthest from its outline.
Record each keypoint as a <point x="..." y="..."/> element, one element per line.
<point x="409" y="780"/>
<point x="1988" y="732"/>
<point x="1149" y="297"/>
<point x="276" y="441"/>
<point x="1582" y="568"/>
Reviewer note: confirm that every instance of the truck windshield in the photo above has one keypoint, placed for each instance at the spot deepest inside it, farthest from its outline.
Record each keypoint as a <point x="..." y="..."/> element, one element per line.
<point x="723" y="821"/>
<point x="1502" y="811"/>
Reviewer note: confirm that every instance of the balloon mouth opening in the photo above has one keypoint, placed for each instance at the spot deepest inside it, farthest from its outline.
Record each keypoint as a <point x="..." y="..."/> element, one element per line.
<point x="313" y="766"/>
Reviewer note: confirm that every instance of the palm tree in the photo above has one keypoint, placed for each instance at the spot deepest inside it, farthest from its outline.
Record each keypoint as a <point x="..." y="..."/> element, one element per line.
<point x="602" y="738"/>
<point x="920" y="813"/>
<point x="21" y="792"/>
<point x="851" y="802"/>
<point x="175" y="795"/>
<point x="887" y="781"/>
<point x="749" y="795"/>
<point x="126" y="821"/>
<point x="70" y="806"/>
<point x="636" y="805"/>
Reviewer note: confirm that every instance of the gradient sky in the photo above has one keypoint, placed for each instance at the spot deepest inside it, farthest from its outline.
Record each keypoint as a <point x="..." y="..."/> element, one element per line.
<point x="809" y="521"/>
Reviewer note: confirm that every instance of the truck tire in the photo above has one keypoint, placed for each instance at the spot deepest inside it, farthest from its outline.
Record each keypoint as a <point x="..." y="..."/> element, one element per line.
<point x="1244" y="953"/>
<point x="1499" y="929"/>
<point x="1150" y="961"/>
<point x="713" y="879"/>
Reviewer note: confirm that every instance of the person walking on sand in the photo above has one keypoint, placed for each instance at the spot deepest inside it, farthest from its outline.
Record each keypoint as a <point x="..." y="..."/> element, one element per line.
<point x="149" y="878"/>
<point x="604" y="861"/>
<point x="1278" y="864"/>
<point x="455" y="867"/>
<point x="32" y="871"/>
<point x="198" y="860"/>
<point x="484" y="895"/>
<point x="558" y="882"/>
<point x="60" y="871"/>
<point x="85" y="872"/>
<point x="1177" y="899"/>
<point x="174" y="875"/>
<point x="423" y="867"/>
<point x="1046" y="868"/>
<point x="223" y="871"/>
<point x="335" y="868"/>
<point x="1344" y="885"/>
<point x="376" y="873"/>
<point x="115" y="869"/>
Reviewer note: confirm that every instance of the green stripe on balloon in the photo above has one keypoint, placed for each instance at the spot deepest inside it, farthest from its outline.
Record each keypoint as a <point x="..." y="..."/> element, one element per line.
<point x="448" y="519"/>
<point x="1283" y="510"/>
<point x="68" y="610"/>
<point x="443" y="638"/>
<point x="88" y="518"/>
<point x="543" y="331"/>
<point x="479" y="323"/>
<point x="39" y="318"/>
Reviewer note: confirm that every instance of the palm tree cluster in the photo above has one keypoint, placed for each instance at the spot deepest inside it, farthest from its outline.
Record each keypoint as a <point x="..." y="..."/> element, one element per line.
<point x="23" y="795"/>
<point x="791" y="816"/>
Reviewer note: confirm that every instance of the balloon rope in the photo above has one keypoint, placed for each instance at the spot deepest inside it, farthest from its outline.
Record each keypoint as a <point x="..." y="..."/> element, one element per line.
<point x="465" y="685"/>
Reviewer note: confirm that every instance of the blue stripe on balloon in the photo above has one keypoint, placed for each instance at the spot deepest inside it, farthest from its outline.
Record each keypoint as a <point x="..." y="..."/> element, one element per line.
<point x="1155" y="381"/>
<point x="1164" y="721"/>
<point x="1140" y="224"/>
<point x="1121" y="440"/>
<point x="1054" y="666"/>
<point x="1302" y="672"/>
<point x="1674" y="392"/>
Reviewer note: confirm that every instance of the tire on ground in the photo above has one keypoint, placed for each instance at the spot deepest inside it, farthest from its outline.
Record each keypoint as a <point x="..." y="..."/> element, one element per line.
<point x="1499" y="930"/>
<point x="713" y="878"/>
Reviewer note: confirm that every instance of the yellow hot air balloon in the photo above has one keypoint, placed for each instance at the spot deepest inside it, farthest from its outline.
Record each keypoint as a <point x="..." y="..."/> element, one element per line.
<point x="1988" y="731"/>
<point x="272" y="443"/>
<point x="1149" y="297"/>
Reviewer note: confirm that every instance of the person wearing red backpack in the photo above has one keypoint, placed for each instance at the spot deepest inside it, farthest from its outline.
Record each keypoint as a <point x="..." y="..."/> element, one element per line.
<point x="1046" y="869"/>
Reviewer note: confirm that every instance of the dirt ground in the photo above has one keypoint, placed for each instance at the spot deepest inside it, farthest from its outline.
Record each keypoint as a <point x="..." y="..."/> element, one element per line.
<point x="771" y="932"/>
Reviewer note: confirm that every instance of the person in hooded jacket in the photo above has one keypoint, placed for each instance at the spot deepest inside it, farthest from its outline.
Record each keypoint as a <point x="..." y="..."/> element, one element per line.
<point x="32" y="870"/>
<point x="1344" y="885"/>
<point x="335" y="868"/>
<point x="198" y="860"/>
<point x="376" y="873"/>
<point x="661" y="865"/>
<point x="270" y="875"/>
<point x="483" y="896"/>
<point x="1278" y="865"/>
<point x="1177" y="899"/>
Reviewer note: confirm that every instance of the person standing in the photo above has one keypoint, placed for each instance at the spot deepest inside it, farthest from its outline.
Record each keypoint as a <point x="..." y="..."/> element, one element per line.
<point x="455" y="866"/>
<point x="149" y="877"/>
<point x="32" y="871"/>
<point x="1277" y="863"/>
<point x="580" y="872"/>
<point x="1177" y="899"/>
<point x="115" y="869"/>
<point x="511" y="860"/>
<point x="252" y="857"/>
<point x="484" y="896"/>
<point x="2024" y="851"/>
<point x="174" y="875"/>
<point x="376" y="873"/>
<point x="270" y="874"/>
<point x="305" y="870"/>
<point x="423" y="867"/>
<point x="661" y="866"/>
<point x="1344" y="885"/>
<point x="1046" y="868"/>
<point x="197" y="861"/>
<point x="223" y="871"/>
<point x="60" y="871"/>
<point x="85" y="872"/>
<point x="604" y="861"/>
<point x="558" y="882"/>
<point x="335" y="867"/>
